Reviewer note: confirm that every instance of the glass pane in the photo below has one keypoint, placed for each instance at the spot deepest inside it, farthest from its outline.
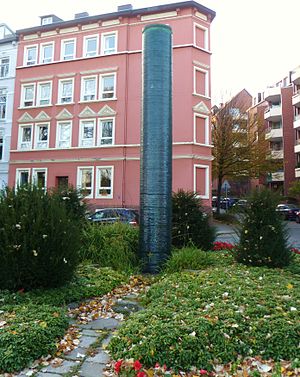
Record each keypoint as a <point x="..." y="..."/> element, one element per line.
<point x="69" y="48"/>
<point x="41" y="179"/>
<point x="110" y="43"/>
<point x="108" y="83"/>
<point x="105" y="179"/>
<point x="28" y="93"/>
<point x="43" y="133"/>
<point x="47" y="53"/>
<point x="26" y="136"/>
<point x="88" y="132"/>
<point x="65" y="132"/>
<point x="89" y="86"/>
<point x="45" y="91"/>
<point x="107" y="129"/>
<point x="91" y="46"/>
<point x="24" y="178"/>
<point x="31" y="54"/>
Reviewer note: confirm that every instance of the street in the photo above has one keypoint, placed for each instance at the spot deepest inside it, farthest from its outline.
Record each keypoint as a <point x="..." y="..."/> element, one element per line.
<point x="228" y="233"/>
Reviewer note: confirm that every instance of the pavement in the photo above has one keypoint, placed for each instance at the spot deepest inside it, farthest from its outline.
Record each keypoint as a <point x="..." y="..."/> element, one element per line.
<point x="229" y="233"/>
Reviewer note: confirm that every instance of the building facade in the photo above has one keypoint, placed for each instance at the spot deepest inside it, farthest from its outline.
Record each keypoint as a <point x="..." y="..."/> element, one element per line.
<point x="8" y="57"/>
<point x="78" y="102"/>
<point x="295" y="78"/>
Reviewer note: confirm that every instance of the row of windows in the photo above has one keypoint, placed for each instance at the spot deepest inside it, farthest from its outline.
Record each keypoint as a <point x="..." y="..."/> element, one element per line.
<point x="90" y="134"/>
<point x="40" y="94"/>
<point x="101" y="189"/>
<point x="44" y="53"/>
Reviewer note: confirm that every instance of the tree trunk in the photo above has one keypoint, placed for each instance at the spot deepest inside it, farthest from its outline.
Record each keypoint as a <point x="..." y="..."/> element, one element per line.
<point x="219" y="189"/>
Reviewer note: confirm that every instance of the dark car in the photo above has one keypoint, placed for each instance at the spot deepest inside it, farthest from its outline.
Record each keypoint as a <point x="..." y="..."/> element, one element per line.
<point x="113" y="215"/>
<point x="288" y="211"/>
<point x="297" y="217"/>
<point x="241" y="203"/>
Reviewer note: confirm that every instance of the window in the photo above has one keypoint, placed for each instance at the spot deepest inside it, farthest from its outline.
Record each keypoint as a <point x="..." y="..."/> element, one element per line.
<point x="47" y="20"/>
<point x="46" y="53"/>
<point x="3" y="100"/>
<point x="65" y="91"/>
<point x="28" y="95"/>
<point x="201" y="36"/>
<point x="63" y="135"/>
<point x="30" y="57"/>
<point x="68" y="49"/>
<point x="42" y="136"/>
<point x="109" y="43"/>
<point x="62" y="182"/>
<point x="106" y="131"/>
<point x="87" y="133"/>
<point x="39" y="178"/>
<point x="104" y="184"/>
<point x="201" y="129"/>
<point x="201" y="82"/>
<point x="25" y="136"/>
<point x="88" y="88"/>
<point x="85" y="181"/>
<point x="4" y="67"/>
<point x="90" y="46"/>
<point x="44" y="93"/>
<point x="201" y="181"/>
<point x="22" y="177"/>
<point x="108" y="86"/>
<point x="1" y="147"/>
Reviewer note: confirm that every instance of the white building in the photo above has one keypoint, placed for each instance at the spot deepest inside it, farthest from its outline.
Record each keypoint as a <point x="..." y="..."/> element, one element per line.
<point x="8" y="55"/>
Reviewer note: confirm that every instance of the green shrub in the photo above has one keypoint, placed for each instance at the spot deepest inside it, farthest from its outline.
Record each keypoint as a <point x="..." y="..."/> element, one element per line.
<point x="114" y="246"/>
<point x="214" y="316"/>
<point x="190" y="224"/>
<point x="189" y="258"/>
<point x="39" y="240"/>
<point x="73" y="201"/>
<point x="263" y="236"/>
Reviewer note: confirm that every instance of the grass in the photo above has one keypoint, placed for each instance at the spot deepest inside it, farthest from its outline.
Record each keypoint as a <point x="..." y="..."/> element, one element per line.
<point x="32" y="322"/>
<point x="196" y="319"/>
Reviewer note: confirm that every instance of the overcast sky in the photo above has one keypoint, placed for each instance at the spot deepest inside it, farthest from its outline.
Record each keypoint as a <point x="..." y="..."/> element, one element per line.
<point x="254" y="43"/>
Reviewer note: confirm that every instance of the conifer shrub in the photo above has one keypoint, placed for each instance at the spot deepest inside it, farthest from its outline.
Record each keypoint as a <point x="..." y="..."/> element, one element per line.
<point x="263" y="235"/>
<point x="190" y="224"/>
<point x="73" y="201"/>
<point x="39" y="239"/>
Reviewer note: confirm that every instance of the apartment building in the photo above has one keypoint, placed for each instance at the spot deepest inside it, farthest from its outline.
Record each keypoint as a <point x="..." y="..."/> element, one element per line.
<point x="78" y="102"/>
<point x="8" y="56"/>
<point x="295" y="78"/>
<point x="274" y="106"/>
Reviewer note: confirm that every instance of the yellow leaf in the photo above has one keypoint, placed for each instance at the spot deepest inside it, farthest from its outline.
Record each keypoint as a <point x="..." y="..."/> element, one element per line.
<point x="290" y="286"/>
<point x="43" y="324"/>
<point x="152" y="352"/>
<point x="56" y="315"/>
<point x="150" y="373"/>
<point x="290" y="373"/>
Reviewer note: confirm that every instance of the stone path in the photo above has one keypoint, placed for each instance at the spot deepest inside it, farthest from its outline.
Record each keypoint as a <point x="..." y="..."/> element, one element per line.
<point x="89" y="358"/>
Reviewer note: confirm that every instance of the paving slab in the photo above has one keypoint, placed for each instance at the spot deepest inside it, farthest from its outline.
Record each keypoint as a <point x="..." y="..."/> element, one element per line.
<point x="101" y="324"/>
<point x="40" y="374"/>
<point x="93" y="333"/>
<point x="91" y="369"/>
<point x="101" y="357"/>
<point x="65" y="367"/>
<point x="106" y="341"/>
<point x="127" y="306"/>
<point x="77" y="354"/>
<point x="86" y="341"/>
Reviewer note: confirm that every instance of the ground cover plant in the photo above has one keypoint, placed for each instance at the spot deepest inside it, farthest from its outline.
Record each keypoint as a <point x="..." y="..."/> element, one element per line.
<point x="31" y="322"/>
<point x="214" y="316"/>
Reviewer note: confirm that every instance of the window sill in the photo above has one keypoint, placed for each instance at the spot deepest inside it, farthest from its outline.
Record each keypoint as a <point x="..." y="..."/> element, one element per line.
<point x="201" y="95"/>
<point x="104" y="197"/>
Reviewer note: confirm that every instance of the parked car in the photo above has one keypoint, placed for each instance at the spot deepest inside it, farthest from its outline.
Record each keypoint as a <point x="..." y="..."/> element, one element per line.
<point x="241" y="203"/>
<point x="113" y="215"/>
<point x="288" y="211"/>
<point x="297" y="217"/>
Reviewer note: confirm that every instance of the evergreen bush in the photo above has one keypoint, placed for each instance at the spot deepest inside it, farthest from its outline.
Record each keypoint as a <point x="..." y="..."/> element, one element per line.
<point x="39" y="239"/>
<point x="190" y="224"/>
<point x="263" y="235"/>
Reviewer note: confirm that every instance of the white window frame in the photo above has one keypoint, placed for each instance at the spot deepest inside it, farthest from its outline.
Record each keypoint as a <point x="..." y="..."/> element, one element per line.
<point x="2" y="67"/>
<point x="100" y="120"/>
<point x="22" y="104"/>
<point x="85" y="44"/>
<point x="58" y="125"/>
<point x="207" y="180"/>
<point x="79" y="180"/>
<point x="206" y="130"/>
<point x="34" y="176"/>
<point x="20" y="134"/>
<point x="25" y="60"/>
<point x="103" y="37"/>
<point x="3" y="105"/>
<point x="1" y="147"/>
<point x="47" y="20"/>
<point x="36" y="135"/>
<point x="205" y="29"/>
<point x="42" y="47"/>
<point x="114" y="97"/>
<point x="206" y="94"/>
<point x="82" y="94"/>
<point x="38" y="100"/>
<point x="18" y="173"/>
<point x="97" y="196"/>
<point x="60" y="87"/>
<point x="62" y="49"/>
<point x="81" y="139"/>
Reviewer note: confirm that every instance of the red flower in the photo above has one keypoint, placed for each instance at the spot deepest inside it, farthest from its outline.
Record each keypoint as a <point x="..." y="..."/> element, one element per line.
<point x="141" y="374"/>
<point x="203" y="371"/>
<point x="137" y="365"/>
<point x="157" y="365"/>
<point x="118" y="365"/>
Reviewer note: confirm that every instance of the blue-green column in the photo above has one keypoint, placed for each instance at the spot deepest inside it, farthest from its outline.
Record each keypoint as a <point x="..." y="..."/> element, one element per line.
<point x="156" y="148"/>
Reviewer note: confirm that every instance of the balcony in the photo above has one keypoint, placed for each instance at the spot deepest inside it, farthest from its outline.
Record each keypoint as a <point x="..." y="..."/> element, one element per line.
<point x="276" y="155"/>
<point x="273" y="114"/>
<point x="297" y="146"/>
<point x="296" y="76"/>
<point x="274" y="133"/>
<point x="297" y="121"/>
<point x="297" y="172"/>
<point x="296" y="99"/>
<point x="273" y="94"/>
<point x="278" y="176"/>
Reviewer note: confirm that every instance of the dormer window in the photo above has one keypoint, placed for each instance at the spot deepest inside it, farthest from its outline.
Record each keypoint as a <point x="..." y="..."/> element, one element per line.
<point x="47" y="20"/>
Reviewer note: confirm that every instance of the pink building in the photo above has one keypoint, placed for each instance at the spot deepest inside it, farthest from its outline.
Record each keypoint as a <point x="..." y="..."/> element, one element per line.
<point x="77" y="108"/>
